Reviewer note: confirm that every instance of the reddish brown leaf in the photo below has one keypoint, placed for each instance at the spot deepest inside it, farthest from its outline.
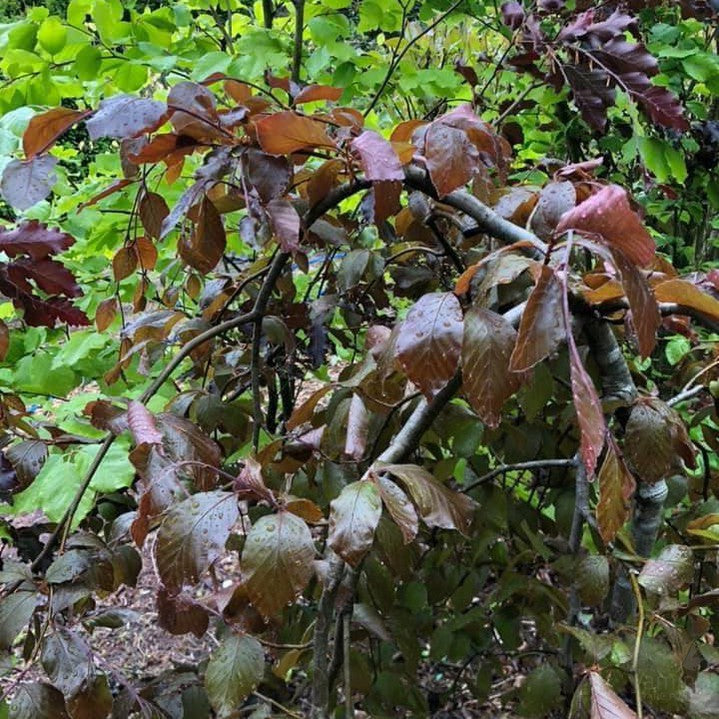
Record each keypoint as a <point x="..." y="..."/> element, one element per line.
<point x="378" y="158"/>
<point x="323" y="180"/>
<point x="303" y="413"/>
<point x="605" y="704"/>
<point x="142" y="424"/>
<point x="124" y="263"/>
<point x="517" y="205"/>
<point x="305" y="509"/>
<point x="105" y="313"/>
<point x="312" y="93"/>
<point x="193" y="535"/>
<point x="178" y="614"/>
<point x="250" y="481"/>
<point x="541" y="329"/>
<point x="451" y="158"/>
<point x="26" y="182"/>
<point x="438" y="505"/>
<point x="277" y="561"/>
<point x="153" y="210"/>
<point x="684" y="293"/>
<point x="204" y="248"/>
<point x="45" y="128"/>
<point x="287" y="132"/>
<point x="487" y="380"/>
<point x="430" y="341"/>
<point x="616" y="486"/>
<point x="285" y="224"/>
<point x="405" y="130"/>
<point x="354" y="516"/>
<point x="608" y="215"/>
<point x="165" y="146"/>
<point x="588" y="407"/>
<point x="111" y="189"/>
<point x="126" y="116"/>
<point x="146" y="252"/>
<point x="645" y="316"/>
<point x="400" y="508"/>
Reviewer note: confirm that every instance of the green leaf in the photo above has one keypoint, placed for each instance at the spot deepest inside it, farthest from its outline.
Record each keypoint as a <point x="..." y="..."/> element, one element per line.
<point x="677" y="348"/>
<point x="233" y="672"/>
<point x="654" y="157"/>
<point x="52" y="35"/>
<point x="540" y="693"/>
<point x="660" y="677"/>
<point x="87" y="62"/>
<point x="15" y="612"/>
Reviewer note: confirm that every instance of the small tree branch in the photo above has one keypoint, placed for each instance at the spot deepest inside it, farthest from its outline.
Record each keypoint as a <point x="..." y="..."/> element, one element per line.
<point x="323" y="622"/>
<point x="299" y="30"/>
<point x="520" y="466"/>
<point x="419" y="422"/>
<point x="487" y="220"/>
<point x="268" y="11"/>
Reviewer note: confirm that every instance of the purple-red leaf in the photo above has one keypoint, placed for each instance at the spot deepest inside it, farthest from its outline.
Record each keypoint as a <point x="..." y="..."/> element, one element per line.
<point x="378" y="158"/>
<point x="50" y="276"/>
<point x="142" y="424"/>
<point x="430" y="341"/>
<point x="541" y="329"/>
<point x="34" y="239"/>
<point x="487" y="380"/>
<point x="125" y="116"/>
<point x="25" y="182"/>
<point x="285" y="224"/>
<point x="608" y="216"/>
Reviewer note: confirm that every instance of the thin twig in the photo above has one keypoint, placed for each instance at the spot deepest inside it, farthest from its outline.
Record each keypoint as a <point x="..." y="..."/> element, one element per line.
<point x="277" y="705"/>
<point x="397" y="59"/>
<point x="637" y="643"/>
<point x="524" y="466"/>
<point x="685" y="394"/>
